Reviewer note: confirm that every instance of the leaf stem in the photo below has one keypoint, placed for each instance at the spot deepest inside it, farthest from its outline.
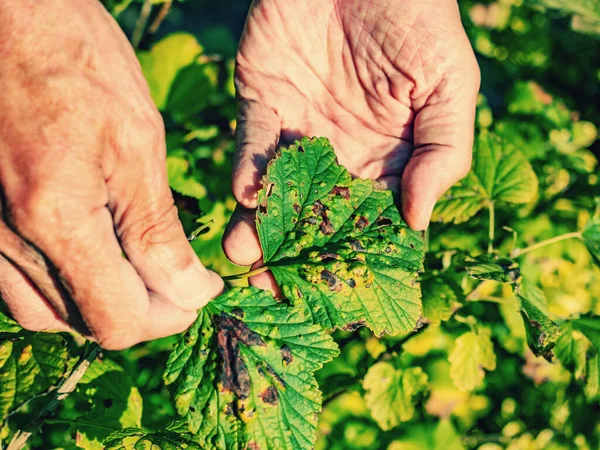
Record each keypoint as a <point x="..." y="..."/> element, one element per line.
<point x="241" y="276"/>
<point x="68" y="385"/>
<point x="521" y="251"/>
<point x="79" y="422"/>
<point x="492" y="226"/>
<point x="140" y="25"/>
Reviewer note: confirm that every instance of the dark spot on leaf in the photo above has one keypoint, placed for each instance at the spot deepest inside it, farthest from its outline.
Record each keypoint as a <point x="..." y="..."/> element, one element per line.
<point x="328" y="257"/>
<point x="357" y="246"/>
<point x="341" y="191"/>
<point x="350" y="282"/>
<point x="353" y="326"/>
<point x="270" y="396"/>
<point x="297" y="208"/>
<point x="384" y="222"/>
<point x="514" y="274"/>
<point x="238" y="312"/>
<point x="107" y="402"/>
<point x="270" y="187"/>
<point x="301" y="149"/>
<point x="362" y="223"/>
<point x="192" y="409"/>
<point x="311" y="220"/>
<point x="333" y="282"/>
<point x="321" y="210"/>
<point x="286" y="354"/>
<point x="276" y="377"/>
<point x="228" y="409"/>
<point x="253" y="446"/>
<point x="262" y="208"/>
<point x="411" y="245"/>
<point x="232" y="332"/>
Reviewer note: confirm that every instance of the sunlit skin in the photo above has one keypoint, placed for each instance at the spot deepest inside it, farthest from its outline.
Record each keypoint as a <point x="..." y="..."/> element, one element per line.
<point x="392" y="84"/>
<point x="82" y="150"/>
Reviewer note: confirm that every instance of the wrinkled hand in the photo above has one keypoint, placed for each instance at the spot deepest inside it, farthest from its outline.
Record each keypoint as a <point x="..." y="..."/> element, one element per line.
<point x="393" y="85"/>
<point x="83" y="179"/>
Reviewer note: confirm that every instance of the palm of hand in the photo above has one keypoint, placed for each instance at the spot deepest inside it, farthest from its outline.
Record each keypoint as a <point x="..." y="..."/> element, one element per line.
<point x="392" y="84"/>
<point x="354" y="71"/>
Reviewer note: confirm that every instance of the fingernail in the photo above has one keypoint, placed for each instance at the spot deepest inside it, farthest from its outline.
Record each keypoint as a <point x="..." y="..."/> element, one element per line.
<point x="195" y="286"/>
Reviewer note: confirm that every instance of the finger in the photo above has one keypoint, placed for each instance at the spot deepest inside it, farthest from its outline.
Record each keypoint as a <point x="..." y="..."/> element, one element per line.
<point x="265" y="280"/>
<point x="257" y="135"/>
<point x="148" y="226"/>
<point x="443" y="139"/>
<point x="26" y="304"/>
<point x="240" y="241"/>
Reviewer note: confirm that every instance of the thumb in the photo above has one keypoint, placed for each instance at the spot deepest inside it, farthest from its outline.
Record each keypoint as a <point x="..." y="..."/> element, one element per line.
<point x="443" y="140"/>
<point x="149" y="230"/>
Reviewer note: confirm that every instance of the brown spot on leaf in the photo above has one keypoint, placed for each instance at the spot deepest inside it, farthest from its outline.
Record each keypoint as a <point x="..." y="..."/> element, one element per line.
<point x="319" y="209"/>
<point x="356" y="246"/>
<point x="270" y="396"/>
<point x="341" y="191"/>
<point x="253" y="446"/>
<point x="353" y="326"/>
<point x="262" y="208"/>
<point x="286" y="354"/>
<point x="301" y="149"/>
<point x="238" y="312"/>
<point x="231" y="332"/>
<point x="350" y="282"/>
<point x="362" y="223"/>
<point x="328" y="257"/>
<point x="333" y="282"/>
<point x="384" y="222"/>
<point x="296" y="208"/>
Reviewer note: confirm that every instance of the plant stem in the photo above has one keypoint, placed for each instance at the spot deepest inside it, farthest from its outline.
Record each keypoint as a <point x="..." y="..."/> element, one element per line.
<point x="241" y="276"/>
<point x="79" y="422"/>
<point x="491" y="232"/>
<point x="140" y="25"/>
<point x="67" y="386"/>
<point x="521" y="251"/>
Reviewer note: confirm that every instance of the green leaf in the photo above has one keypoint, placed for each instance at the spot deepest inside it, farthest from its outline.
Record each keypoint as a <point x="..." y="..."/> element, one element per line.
<point x="590" y="327"/>
<point x="442" y="436"/>
<point x="182" y="179"/>
<point x="244" y="373"/>
<point x="138" y="439"/>
<point x="440" y="298"/>
<point x="7" y="325"/>
<point x="107" y="398"/>
<point x="591" y="233"/>
<point x="165" y="60"/>
<point x="337" y="244"/>
<point x="542" y="332"/>
<point x="500" y="174"/>
<point x="571" y="350"/>
<point x="392" y="393"/>
<point x="30" y="364"/>
<point x="473" y="352"/>
<point x="491" y="267"/>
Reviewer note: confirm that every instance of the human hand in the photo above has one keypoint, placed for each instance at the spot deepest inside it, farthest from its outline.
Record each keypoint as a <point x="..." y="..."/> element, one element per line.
<point x="83" y="179"/>
<point x="392" y="84"/>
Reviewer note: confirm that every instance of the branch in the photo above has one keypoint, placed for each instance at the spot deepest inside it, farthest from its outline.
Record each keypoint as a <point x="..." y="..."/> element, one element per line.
<point x="68" y="385"/>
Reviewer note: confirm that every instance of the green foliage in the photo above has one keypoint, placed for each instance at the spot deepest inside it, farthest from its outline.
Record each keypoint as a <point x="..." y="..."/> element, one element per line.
<point x="319" y="228"/>
<point x="499" y="287"/>
<point x="500" y="174"/>
<point x="262" y="391"/>
<point x="473" y="352"/>
<point x="392" y="393"/>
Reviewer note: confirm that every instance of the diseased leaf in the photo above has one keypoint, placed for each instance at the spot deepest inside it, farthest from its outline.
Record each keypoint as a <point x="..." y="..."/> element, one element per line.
<point x="244" y="373"/>
<point x="138" y="439"/>
<point x="107" y="398"/>
<point x="500" y="174"/>
<point x="571" y="350"/>
<point x="591" y="234"/>
<point x="392" y="393"/>
<point x="542" y="332"/>
<point x="491" y="267"/>
<point x="473" y="352"/>
<point x="30" y="364"/>
<point x="337" y="244"/>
